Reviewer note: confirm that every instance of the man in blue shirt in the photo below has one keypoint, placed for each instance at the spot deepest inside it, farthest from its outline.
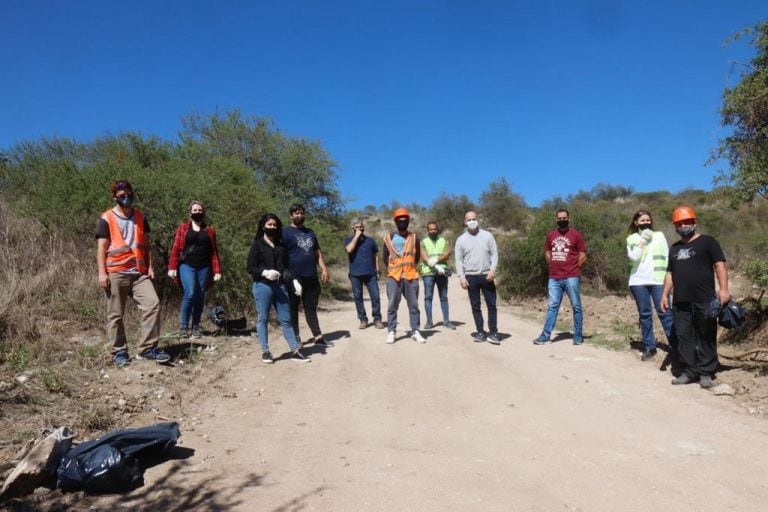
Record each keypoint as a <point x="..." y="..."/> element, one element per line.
<point x="303" y="258"/>
<point x="364" y="270"/>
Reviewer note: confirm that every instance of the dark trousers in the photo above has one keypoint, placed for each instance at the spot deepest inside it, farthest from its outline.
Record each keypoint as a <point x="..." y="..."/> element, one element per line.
<point x="372" y="283"/>
<point x="696" y="337"/>
<point x="479" y="284"/>
<point x="310" y="297"/>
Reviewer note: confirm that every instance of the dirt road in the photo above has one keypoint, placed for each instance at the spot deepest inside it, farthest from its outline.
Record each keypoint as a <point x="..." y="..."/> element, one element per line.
<point x="456" y="425"/>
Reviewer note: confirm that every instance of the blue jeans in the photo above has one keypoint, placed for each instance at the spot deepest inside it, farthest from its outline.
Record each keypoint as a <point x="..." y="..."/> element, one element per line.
<point x="267" y="295"/>
<point x="476" y="285"/>
<point x="371" y="282"/>
<point x="429" y="289"/>
<point x="193" y="281"/>
<point x="555" y="289"/>
<point x="647" y="297"/>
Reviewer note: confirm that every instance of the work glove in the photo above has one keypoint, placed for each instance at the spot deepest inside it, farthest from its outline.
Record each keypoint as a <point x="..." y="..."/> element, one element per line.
<point x="432" y="261"/>
<point x="272" y="275"/>
<point x="440" y="269"/>
<point x="297" y="287"/>
<point x="647" y="235"/>
<point x="172" y="274"/>
<point x="216" y="277"/>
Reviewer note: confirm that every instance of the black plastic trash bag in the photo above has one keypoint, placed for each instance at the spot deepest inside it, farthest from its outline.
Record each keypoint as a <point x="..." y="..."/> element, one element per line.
<point x="217" y="316"/>
<point x="110" y="463"/>
<point x="732" y="315"/>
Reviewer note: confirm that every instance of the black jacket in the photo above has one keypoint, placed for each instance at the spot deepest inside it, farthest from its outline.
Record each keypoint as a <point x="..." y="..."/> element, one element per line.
<point x="263" y="256"/>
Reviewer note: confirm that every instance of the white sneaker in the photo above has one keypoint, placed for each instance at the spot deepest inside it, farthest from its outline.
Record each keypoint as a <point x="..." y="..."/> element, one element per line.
<point x="391" y="337"/>
<point x="417" y="337"/>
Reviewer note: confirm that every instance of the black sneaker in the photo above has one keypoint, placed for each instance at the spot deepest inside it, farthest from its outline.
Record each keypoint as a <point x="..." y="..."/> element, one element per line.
<point x="320" y="340"/>
<point x="297" y="356"/>
<point x="493" y="338"/>
<point x="479" y="337"/>
<point x="648" y="354"/>
<point x="266" y="358"/>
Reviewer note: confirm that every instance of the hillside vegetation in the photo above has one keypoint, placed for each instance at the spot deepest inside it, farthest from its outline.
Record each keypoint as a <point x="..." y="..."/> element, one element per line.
<point x="52" y="191"/>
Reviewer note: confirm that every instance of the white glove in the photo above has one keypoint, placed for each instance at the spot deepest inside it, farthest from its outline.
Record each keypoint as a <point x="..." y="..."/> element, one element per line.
<point x="297" y="287"/>
<point x="647" y="235"/>
<point x="440" y="269"/>
<point x="216" y="277"/>
<point x="172" y="274"/>
<point x="272" y="275"/>
<point x="432" y="261"/>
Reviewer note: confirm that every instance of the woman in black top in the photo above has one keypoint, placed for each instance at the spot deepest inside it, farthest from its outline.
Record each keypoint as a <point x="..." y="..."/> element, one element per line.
<point x="194" y="263"/>
<point x="268" y="265"/>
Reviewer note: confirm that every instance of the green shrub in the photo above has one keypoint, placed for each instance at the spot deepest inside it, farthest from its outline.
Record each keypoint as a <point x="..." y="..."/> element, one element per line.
<point x="502" y="208"/>
<point x="523" y="271"/>
<point x="52" y="381"/>
<point x="449" y="210"/>
<point x="756" y="270"/>
<point x="17" y="357"/>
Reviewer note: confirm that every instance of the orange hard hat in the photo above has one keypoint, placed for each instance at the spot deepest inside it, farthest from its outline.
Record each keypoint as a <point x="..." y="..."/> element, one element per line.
<point x="401" y="212"/>
<point x="683" y="213"/>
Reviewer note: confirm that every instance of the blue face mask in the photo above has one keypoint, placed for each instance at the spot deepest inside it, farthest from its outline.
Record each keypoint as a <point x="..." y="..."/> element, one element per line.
<point x="125" y="201"/>
<point x="686" y="231"/>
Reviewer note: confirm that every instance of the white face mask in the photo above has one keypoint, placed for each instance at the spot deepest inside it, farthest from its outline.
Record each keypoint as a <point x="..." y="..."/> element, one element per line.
<point x="472" y="225"/>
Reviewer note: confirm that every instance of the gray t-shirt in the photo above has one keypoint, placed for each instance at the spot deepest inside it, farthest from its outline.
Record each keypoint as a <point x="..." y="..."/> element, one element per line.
<point x="476" y="254"/>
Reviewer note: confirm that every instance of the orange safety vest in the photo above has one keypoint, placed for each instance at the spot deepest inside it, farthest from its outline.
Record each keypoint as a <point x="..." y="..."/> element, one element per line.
<point x="122" y="257"/>
<point x="402" y="265"/>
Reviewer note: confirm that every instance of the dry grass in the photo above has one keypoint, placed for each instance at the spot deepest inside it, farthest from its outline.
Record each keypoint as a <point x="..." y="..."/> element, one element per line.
<point x="49" y="304"/>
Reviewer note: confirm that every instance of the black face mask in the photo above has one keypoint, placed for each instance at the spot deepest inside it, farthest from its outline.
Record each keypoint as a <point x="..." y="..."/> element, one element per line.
<point x="433" y="236"/>
<point x="125" y="201"/>
<point x="197" y="217"/>
<point x="562" y="224"/>
<point x="402" y="225"/>
<point x="298" y="221"/>
<point x="643" y="226"/>
<point x="270" y="232"/>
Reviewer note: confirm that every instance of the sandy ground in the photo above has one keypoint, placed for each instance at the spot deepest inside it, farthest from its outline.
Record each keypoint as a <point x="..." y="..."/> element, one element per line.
<point x="454" y="425"/>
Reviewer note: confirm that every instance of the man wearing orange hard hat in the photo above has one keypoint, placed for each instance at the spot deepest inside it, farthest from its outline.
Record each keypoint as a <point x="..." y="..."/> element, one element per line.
<point x="401" y="253"/>
<point x="693" y="264"/>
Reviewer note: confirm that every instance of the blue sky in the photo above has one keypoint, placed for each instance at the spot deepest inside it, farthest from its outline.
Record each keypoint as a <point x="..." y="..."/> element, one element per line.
<point x="410" y="98"/>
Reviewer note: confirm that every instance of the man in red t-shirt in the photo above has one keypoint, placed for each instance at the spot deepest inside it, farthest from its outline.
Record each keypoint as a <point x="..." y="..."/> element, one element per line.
<point x="566" y="253"/>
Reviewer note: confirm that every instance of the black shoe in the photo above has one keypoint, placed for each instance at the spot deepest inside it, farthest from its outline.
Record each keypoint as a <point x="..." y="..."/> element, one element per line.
<point x="705" y="381"/>
<point x="493" y="338"/>
<point x="479" y="337"/>
<point x="320" y="340"/>
<point x="266" y="358"/>
<point x="297" y="356"/>
<point x="648" y="354"/>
